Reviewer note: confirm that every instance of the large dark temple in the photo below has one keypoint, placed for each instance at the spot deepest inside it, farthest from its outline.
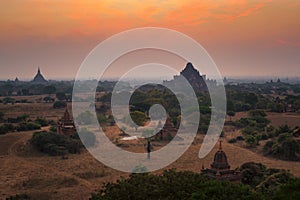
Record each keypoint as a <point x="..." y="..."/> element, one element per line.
<point x="39" y="78"/>
<point x="220" y="169"/>
<point x="192" y="75"/>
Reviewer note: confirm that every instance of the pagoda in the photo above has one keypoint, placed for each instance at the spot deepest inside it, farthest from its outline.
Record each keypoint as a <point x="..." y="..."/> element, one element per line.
<point x="220" y="169"/>
<point x="66" y="125"/>
<point x="39" y="78"/>
<point x="193" y="76"/>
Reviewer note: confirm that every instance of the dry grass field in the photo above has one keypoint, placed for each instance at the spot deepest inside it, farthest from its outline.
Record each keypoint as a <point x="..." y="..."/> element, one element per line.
<point x="24" y="170"/>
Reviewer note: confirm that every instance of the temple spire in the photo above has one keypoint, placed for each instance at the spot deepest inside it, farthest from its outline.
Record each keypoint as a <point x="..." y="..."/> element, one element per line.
<point x="220" y="145"/>
<point x="39" y="77"/>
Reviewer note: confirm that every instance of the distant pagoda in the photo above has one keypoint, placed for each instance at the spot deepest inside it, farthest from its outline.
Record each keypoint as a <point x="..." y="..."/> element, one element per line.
<point x="220" y="169"/>
<point x="39" y="78"/>
<point x="192" y="75"/>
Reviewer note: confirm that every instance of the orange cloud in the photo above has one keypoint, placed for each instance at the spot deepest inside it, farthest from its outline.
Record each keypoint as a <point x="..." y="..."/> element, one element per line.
<point x="56" y="18"/>
<point x="242" y="10"/>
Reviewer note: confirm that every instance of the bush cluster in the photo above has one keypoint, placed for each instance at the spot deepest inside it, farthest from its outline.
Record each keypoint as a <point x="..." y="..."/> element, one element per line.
<point x="54" y="144"/>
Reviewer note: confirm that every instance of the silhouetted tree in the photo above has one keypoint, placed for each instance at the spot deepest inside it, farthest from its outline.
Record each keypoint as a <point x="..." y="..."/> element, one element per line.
<point x="231" y="114"/>
<point x="61" y="96"/>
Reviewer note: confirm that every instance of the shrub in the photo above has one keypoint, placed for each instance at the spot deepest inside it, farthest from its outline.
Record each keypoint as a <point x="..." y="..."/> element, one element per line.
<point x="250" y="130"/>
<point x="283" y="129"/>
<point x="240" y="138"/>
<point x="232" y="140"/>
<point x="6" y="128"/>
<point x="264" y="136"/>
<point x="268" y="146"/>
<point x="54" y="144"/>
<point x="28" y="126"/>
<point x="41" y="121"/>
<point x="251" y="141"/>
<point x="53" y="129"/>
<point x="59" y="104"/>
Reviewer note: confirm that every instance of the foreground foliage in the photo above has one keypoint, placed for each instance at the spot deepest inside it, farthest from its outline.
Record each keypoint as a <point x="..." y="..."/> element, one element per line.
<point x="174" y="185"/>
<point x="258" y="183"/>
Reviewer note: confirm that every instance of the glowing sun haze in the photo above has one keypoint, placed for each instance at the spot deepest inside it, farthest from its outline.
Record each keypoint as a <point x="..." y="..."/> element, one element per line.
<point x="244" y="37"/>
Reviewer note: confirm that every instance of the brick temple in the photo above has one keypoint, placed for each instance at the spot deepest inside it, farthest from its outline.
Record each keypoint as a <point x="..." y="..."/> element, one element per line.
<point x="196" y="80"/>
<point x="65" y="125"/>
<point x="220" y="169"/>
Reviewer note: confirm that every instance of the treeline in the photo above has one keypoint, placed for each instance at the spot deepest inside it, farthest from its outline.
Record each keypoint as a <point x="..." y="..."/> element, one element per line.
<point x="258" y="182"/>
<point x="270" y="87"/>
<point x="11" y="88"/>
<point x="274" y="97"/>
<point x="27" y="88"/>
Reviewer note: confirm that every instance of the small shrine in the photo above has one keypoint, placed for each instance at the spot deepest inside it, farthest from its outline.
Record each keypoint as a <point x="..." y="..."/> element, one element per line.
<point x="220" y="169"/>
<point x="66" y="125"/>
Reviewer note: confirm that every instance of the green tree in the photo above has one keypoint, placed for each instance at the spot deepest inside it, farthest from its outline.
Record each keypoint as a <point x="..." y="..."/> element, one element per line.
<point x="139" y="118"/>
<point x="61" y="96"/>
<point x="289" y="191"/>
<point x="251" y="140"/>
<point x="54" y="144"/>
<point x="231" y="114"/>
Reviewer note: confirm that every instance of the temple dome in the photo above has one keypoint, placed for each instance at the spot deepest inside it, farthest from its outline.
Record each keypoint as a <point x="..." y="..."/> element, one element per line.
<point x="220" y="159"/>
<point x="220" y="169"/>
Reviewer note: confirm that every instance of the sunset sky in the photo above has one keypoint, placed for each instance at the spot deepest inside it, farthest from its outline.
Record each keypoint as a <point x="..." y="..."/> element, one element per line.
<point x="244" y="38"/>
